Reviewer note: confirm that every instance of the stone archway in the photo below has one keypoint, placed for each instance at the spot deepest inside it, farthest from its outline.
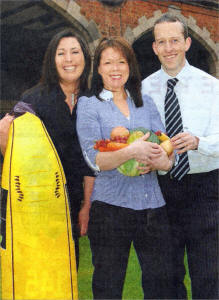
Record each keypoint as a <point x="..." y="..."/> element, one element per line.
<point x="26" y="29"/>
<point x="203" y="54"/>
<point x="70" y="10"/>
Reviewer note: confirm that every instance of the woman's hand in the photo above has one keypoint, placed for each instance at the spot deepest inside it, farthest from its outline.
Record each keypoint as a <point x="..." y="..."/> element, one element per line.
<point x="83" y="216"/>
<point x="144" y="168"/>
<point x="162" y="162"/>
<point x="5" y="124"/>
<point x="143" y="151"/>
<point x="83" y="219"/>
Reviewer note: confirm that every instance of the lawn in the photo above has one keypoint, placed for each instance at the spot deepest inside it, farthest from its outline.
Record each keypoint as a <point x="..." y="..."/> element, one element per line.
<point x="132" y="288"/>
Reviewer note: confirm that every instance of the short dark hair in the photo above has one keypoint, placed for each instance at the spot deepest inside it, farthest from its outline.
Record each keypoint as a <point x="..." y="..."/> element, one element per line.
<point x="169" y="18"/>
<point x="133" y="84"/>
<point x="50" y="76"/>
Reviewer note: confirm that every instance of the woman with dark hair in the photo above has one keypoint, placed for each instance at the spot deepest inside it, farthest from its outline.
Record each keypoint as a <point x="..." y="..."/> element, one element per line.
<point x="124" y="209"/>
<point x="65" y="72"/>
<point x="133" y="84"/>
<point x="50" y="73"/>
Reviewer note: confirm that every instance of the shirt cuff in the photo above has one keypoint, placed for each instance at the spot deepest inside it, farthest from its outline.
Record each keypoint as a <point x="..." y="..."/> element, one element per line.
<point x="93" y="166"/>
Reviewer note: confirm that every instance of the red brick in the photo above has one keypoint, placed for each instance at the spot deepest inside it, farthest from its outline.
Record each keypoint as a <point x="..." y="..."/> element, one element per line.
<point x="108" y="19"/>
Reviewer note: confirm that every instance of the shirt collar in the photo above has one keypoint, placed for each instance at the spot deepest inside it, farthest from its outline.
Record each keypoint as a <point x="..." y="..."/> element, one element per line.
<point x="180" y="76"/>
<point x="107" y="95"/>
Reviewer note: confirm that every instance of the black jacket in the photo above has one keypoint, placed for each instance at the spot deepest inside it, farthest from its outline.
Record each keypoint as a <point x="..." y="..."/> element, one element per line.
<point x="52" y="109"/>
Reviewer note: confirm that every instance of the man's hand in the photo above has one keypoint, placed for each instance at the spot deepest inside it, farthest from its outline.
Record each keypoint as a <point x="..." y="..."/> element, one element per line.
<point x="184" y="141"/>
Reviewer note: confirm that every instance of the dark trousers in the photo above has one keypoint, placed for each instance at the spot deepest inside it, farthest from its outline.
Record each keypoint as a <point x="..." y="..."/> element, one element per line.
<point x="75" y="234"/>
<point x="192" y="207"/>
<point x="75" y="197"/>
<point x="111" y="231"/>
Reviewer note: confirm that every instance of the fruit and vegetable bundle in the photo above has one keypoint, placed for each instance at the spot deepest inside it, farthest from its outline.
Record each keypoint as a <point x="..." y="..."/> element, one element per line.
<point x="121" y="137"/>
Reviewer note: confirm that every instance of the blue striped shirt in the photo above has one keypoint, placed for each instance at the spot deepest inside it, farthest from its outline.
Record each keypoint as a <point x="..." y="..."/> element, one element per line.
<point x="95" y="120"/>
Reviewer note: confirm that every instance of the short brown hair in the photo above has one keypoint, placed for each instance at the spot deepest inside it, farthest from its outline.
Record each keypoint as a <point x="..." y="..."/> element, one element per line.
<point x="169" y="18"/>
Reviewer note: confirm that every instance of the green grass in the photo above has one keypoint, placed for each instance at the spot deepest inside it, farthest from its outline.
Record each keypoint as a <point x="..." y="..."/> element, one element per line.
<point x="132" y="287"/>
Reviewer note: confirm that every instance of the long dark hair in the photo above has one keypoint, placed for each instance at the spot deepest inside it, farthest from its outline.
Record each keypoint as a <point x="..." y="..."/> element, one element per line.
<point x="50" y="76"/>
<point x="133" y="84"/>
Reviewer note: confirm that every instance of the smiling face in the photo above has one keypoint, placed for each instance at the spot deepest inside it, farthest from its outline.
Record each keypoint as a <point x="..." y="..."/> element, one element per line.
<point x="114" y="69"/>
<point x="69" y="60"/>
<point x="170" y="46"/>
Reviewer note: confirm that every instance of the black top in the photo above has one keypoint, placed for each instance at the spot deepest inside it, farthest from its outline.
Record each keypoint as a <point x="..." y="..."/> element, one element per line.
<point x="52" y="109"/>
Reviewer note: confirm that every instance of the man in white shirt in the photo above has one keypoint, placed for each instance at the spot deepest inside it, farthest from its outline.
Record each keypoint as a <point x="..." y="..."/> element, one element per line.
<point x="192" y="199"/>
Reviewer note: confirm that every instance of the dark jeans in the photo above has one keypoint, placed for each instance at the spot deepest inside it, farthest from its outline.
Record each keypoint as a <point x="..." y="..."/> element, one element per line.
<point x="192" y="206"/>
<point x="111" y="231"/>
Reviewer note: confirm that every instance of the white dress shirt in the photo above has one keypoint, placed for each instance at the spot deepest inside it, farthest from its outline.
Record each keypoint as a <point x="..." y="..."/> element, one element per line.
<point x="198" y="95"/>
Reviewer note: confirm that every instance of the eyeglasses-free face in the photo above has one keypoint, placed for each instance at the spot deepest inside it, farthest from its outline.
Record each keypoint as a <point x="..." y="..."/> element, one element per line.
<point x="170" y="46"/>
<point x="114" y="69"/>
<point x="69" y="60"/>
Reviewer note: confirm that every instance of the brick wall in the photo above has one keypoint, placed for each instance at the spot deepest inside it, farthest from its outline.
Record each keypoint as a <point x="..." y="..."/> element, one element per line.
<point x="115" y="20"/>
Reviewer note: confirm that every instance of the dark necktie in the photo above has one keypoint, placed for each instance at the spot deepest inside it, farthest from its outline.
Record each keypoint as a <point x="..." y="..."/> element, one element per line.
<point x="174" y="125"/>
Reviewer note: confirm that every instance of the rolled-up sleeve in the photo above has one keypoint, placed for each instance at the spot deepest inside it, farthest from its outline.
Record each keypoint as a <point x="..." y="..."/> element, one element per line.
<point x="88" y="129"/>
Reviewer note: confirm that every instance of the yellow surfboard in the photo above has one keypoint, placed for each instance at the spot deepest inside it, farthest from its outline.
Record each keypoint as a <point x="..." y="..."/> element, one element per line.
<point x="37" y="249"/>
